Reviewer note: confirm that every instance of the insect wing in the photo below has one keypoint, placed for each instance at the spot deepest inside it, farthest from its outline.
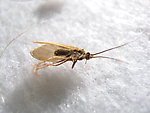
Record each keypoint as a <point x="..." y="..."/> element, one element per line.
<point x="59" y="45"/>
<point x="45" y="52"/>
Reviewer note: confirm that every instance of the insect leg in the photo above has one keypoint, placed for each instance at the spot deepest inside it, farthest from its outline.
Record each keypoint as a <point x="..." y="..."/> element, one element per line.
<point x="55" y="64"/>
<point x="48" y="60"/>
<point x="42" y="65"/>
<point x="74" y="62"/>
<point x="60" y="61"/>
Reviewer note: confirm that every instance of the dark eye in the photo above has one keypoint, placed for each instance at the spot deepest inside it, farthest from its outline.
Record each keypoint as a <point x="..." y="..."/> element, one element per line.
<point x="80" y="52"/>
<point x="88" y="53"/>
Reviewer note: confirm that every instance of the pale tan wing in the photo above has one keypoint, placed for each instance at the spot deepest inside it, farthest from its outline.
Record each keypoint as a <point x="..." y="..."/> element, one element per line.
<point x="56" y="59"/>
<point x="45" y="52"/>
<point x="60" y="45"/>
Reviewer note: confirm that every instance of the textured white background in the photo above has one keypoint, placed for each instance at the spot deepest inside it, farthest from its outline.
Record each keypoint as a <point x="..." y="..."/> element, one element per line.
<point x="101" y="85"/>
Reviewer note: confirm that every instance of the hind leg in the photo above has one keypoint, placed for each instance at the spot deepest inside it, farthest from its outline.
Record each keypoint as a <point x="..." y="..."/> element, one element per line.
<point x="43" y="64"/>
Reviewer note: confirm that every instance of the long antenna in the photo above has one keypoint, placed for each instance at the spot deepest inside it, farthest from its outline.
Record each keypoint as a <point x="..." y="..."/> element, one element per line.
<point x="114" y="47"/>
<point x="110" y="58"/>
<point x="28" y="29"/>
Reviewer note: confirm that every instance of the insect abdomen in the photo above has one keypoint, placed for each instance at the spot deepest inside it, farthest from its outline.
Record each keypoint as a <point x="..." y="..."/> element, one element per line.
<point x="61" y="52"/>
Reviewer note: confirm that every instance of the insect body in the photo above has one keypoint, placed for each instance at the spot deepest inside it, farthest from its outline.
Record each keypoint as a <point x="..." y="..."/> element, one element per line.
<point x="53" y="54"/>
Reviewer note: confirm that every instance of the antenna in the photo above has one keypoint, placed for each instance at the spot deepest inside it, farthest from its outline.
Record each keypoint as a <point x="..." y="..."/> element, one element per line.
<point x="28" y="29"/>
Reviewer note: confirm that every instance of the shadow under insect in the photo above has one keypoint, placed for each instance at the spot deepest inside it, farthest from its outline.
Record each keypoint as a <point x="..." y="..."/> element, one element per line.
<point x="45" y="92"/>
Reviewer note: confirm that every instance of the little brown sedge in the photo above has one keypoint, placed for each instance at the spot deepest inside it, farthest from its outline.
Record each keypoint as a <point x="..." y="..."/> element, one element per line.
<point x="53" y="54"/>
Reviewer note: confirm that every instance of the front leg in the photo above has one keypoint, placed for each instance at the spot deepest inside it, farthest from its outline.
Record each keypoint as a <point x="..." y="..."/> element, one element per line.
<point x="74" y="62"/>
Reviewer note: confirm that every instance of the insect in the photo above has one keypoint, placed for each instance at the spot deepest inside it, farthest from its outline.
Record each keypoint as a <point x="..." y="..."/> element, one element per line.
<point x="54" y="54"/>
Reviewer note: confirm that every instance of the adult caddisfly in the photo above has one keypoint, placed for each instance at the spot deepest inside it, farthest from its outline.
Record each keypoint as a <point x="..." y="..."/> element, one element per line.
<point x="54" y="54"/>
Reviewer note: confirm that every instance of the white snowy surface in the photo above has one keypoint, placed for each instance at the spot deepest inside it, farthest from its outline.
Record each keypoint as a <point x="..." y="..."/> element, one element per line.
<point x="101" y="85"/>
